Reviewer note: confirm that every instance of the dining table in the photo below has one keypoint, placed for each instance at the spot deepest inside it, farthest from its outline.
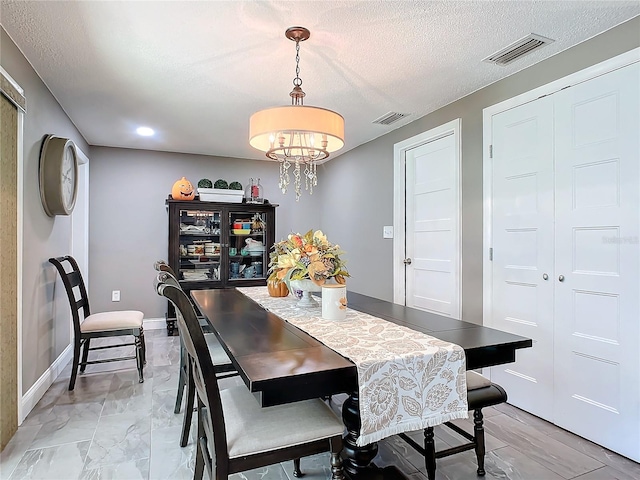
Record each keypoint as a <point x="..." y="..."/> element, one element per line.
<point x="279" y="363"/>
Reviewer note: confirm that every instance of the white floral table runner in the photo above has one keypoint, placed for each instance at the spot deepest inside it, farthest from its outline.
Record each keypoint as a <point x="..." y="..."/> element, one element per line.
<point x="407" y="380"/>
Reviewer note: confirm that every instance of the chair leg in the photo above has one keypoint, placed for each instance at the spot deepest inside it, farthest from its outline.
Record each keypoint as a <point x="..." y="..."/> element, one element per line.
<point x="479" y="440"/>
<point x="337" y="472"/>
<point x="296" y="468"/>
<point x="188" y="409"/>
<point x="181" y="378"/>
<point x="180" y="394"/>
<point x="74" y="367"/>
<point x="144" y="347"/>
<point x="430" y="453"/>
<point x="139" y="357"/>
<point x="199" y="467"/>
<point x="85" y="355"/>
<point x="198" y="472"/>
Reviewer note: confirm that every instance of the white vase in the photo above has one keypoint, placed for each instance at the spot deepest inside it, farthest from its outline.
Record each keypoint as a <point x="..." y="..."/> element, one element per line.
<point x="334" y="301"/>
<point x="306" y="286"/>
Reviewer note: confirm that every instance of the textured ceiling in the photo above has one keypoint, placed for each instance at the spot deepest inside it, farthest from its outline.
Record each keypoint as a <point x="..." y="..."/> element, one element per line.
<point x="196" y="71"/>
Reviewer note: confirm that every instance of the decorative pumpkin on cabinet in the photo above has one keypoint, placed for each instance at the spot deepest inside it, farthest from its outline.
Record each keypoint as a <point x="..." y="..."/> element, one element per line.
<point x="183" y="190"/>
<point x="277" y="288"/>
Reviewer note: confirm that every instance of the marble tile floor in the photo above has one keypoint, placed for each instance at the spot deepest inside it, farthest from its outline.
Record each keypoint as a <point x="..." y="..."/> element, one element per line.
<point x="112" y="427"/>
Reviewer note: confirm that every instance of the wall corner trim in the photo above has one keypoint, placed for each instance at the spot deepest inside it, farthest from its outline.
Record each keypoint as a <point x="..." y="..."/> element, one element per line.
<point x="37" y="391"/>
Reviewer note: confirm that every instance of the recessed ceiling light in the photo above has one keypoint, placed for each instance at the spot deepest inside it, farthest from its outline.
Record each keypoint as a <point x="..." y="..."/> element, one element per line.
<point x="145" y="131"/>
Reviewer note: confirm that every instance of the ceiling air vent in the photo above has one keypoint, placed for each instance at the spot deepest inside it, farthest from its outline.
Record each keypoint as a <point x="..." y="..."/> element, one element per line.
<point x="389" y="118"/>
<point x="518" y="49"/>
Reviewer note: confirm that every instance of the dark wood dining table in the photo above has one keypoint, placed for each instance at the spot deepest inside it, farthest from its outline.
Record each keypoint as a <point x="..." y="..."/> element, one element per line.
<point x="280" y="363"/>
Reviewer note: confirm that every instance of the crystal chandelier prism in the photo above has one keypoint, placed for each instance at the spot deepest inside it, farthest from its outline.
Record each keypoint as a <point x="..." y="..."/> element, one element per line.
<point x="297" y="136"/>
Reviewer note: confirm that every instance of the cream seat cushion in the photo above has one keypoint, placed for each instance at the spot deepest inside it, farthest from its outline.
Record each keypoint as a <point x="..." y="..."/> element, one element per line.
<point x="252" y="429"/>
<point x="218" y="355"/>
<point x="104" y="321"/>
<point x="476" y="381"/>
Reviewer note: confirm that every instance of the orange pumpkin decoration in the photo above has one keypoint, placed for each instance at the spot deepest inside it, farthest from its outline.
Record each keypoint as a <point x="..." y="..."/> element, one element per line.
<point x="183" y="190"/>
<point x="277" y="288"/>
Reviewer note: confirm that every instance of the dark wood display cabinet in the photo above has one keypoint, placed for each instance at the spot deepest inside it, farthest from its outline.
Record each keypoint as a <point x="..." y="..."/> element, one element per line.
<point x="218" y="245"/>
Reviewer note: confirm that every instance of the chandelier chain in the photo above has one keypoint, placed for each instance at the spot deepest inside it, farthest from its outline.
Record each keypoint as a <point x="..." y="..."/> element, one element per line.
<point x="297" y="82"/>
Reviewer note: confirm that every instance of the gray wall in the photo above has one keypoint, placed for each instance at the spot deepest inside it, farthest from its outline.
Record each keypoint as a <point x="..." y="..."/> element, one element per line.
<point x="129" y="223"/>
<point x="46" y="315"/>
<point x="359" y="200"/>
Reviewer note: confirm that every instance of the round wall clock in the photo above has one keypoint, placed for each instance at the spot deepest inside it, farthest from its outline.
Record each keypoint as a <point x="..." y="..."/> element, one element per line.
<point x="58" y="175"/>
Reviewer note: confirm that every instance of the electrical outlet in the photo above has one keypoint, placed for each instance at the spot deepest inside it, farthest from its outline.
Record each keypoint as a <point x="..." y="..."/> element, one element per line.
<point x="387" y="232"/>
<point x="115" y="296"/>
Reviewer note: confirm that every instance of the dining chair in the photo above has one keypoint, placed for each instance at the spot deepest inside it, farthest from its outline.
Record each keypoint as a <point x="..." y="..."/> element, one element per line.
<point x="481" y="393"/>
<point x="234" y="433"/>
<point x="162" y="266"/>
<point x="221" y="362"/>
<point x="97" y="325"/>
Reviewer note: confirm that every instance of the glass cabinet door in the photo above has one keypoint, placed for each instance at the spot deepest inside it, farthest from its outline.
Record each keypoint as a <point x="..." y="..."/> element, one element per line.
<point x="248" y="254"/>
<point x="200" y="245"/>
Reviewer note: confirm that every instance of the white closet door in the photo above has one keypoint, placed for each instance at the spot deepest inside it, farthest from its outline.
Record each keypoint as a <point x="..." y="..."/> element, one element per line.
<point x="523" y="250"/>
<point x="597" y="315"/>
<point x="432" y="237"/>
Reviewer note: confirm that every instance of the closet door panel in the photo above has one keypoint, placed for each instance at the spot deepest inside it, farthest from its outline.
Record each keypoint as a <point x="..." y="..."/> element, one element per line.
<point x="523" y="250"/>
<point x="597" y="336"/>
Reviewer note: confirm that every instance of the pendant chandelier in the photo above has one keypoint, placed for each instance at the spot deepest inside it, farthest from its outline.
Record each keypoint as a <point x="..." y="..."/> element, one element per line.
<point x="297" y="135"/>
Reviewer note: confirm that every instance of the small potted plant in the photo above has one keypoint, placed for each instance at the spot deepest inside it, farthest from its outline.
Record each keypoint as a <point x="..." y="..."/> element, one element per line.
<point x="220" y="191"/>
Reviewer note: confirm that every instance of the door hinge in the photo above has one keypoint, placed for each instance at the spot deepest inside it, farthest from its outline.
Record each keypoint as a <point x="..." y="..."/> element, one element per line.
<point x="490" y="151"/>
<point x="491" y="254"/>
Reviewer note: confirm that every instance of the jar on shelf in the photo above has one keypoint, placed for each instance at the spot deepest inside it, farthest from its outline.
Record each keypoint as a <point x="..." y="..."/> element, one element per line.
<point x="253" y="192"/>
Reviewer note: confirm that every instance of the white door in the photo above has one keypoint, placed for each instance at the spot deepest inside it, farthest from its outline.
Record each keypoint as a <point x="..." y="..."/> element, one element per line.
<point x="432" y="227"/>
<point x="597" y="315"/>
<point x="522" y="265"/>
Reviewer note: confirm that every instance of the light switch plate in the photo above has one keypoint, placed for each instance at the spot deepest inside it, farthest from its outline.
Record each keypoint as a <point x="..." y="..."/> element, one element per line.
<point x="115" y="296"/>
<point x="387" y="232"/>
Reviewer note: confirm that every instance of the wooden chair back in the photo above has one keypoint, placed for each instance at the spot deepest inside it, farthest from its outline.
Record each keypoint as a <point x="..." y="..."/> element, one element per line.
<point x="163" y="266"/>
<point x="204" y="376"/>
<point x="72" y="278"/>
<point x="168" y="278"/>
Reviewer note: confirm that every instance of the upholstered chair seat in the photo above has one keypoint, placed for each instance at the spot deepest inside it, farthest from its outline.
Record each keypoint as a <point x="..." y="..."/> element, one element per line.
<point x="105" y="321"/>
<point x="252" y="429"/>
<point x="218" y="355"/>
<point x="476" y="381"/>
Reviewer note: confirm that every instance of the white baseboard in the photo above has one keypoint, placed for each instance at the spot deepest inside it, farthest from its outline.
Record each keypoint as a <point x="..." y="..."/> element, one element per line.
<point x="37" y="391"/>
<point x="154" y="323"/>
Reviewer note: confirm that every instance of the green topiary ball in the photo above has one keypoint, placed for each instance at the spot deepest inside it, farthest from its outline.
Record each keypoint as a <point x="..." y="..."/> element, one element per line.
<point x="205" y="183"/>
<point x="220" y="183"/>
<point x="235" y="186"/>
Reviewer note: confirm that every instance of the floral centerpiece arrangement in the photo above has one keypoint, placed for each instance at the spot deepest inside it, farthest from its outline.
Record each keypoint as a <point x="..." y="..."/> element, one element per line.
<point x="310" y="256"/>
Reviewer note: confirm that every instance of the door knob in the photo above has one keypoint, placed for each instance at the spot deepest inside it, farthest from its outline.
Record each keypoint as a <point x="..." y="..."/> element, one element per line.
<point x="407" y="261"/>
<point x="561" y="278"/>
<point x="545" y="276"/>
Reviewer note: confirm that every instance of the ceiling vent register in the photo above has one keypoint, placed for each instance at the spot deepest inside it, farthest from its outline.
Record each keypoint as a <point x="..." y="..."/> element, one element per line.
<point x="389" y="118"/>
<point x="519" y="49"/>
